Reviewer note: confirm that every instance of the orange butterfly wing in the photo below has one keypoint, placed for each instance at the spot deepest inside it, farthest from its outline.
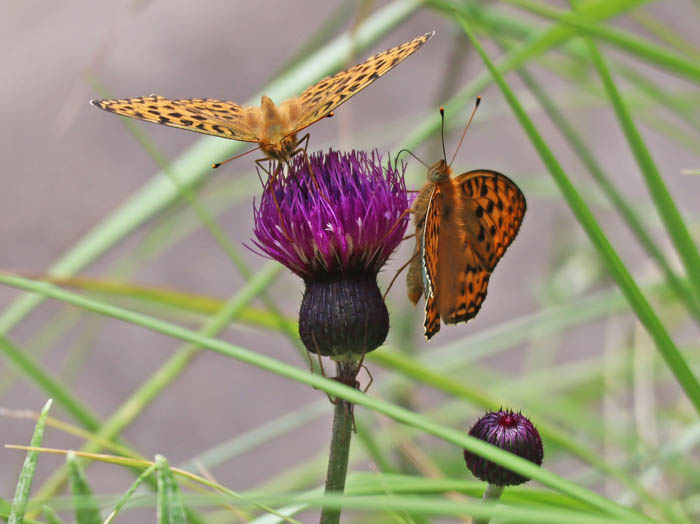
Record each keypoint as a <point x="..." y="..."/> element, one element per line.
<point x="201" y="115"/>
<point x="477" y="216"/>
<point x="327" y="94"/>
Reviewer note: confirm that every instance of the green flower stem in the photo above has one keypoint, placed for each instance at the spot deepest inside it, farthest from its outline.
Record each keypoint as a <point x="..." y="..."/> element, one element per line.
<point x="492" y="492"/>
<point x="338" y="457"/>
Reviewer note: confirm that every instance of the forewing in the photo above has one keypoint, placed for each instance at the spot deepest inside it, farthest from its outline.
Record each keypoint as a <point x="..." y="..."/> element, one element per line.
<point x="482" y="213"/>
<point x="208" y="116"/>
<point x="492" y="208"/>
<point x="323" y="97"/>
<point x="429" y="263"/>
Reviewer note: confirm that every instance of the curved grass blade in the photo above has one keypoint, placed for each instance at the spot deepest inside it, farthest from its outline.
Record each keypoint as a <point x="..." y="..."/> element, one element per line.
<point x="52" y="387"/>
<point x="665" y="205"/>
<point x="665" y="345"/>
<point x="86" y="509"/>
<point x="639" y="47"/>
<point x="129" y="492"/>
<point x="50" y="515"/>
<point x="171" y="369"/>
<point x="26" y="476"/>
<point x="169" y="499"/>
<point x="536" y="44"/>
<point x="628" y="213"/>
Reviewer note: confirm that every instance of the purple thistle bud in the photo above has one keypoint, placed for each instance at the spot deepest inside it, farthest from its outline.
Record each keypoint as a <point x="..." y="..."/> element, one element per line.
<point x="336" y="228"/>
<point x="509" y="431"/>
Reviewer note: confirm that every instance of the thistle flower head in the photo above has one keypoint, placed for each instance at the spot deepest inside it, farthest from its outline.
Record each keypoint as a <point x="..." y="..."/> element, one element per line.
<point x="334" y="219"/>
<point x="509" y="431"/>
<point x="339" y="220"/>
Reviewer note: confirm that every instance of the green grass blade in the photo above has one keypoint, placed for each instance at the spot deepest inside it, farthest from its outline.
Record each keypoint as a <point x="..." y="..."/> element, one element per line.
<point x="538" y="43"/>
<point x="666" y="207"/>
<point x="333" y="388"/>
<point x="50" y="515"/>
<point x="665" y="345"/>
<point x="126" y="496"/>
<point x="641" y="48"/>
<point x="84" y="503"/>
<point x="441" y="506"/>
<point x="170" y="370"/>
<point x="26" y="476"/>
<point x="52" y="387"/>
<point x="606" y="184"/>
<point x="169" y="501"/>
<point x="495" y="21"/>
<point x="666" y="33"/>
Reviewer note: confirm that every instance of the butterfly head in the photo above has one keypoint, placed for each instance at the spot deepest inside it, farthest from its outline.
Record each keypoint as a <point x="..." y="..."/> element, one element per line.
<point x="439" y="171"/>
<point x="282" y="150"/>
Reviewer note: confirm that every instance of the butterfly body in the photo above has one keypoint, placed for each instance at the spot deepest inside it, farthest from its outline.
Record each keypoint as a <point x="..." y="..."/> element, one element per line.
<point x="463" y="224"/>
<point x="273" y="127"/>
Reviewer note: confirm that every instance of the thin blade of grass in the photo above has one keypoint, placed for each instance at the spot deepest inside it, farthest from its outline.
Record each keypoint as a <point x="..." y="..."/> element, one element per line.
<point x="84" y="503"/>
<point x="665" y="345"/>
<point x="52" y="387"/>
<point x="606" y="184"/>
<point x="168" y="371"/>
<point x="129" y="492"/>
<point x="169" y="500"/>
<point x="633" y="44"/>
<point x="665" y="205"/>
<point x="497" y="22"/>
<point x="26" y="476"/>
<point x="536" y="44"/>
<point x="50" y="515"/>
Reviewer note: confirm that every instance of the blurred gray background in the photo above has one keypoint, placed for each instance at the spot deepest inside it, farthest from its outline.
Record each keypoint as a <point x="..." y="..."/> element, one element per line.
<point x="67" y="165"/>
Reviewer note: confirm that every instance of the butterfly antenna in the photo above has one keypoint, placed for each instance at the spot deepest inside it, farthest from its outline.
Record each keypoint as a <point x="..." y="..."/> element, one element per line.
<point x="476" y="106"/>
<point x="219" y="164"/>
<point x="442" y="133"/>
<point x="396" y="158"/>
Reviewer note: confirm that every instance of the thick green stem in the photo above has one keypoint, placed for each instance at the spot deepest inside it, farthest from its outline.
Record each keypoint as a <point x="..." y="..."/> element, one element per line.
<point x="492" y="493"/>
<point x="338" y="458"/>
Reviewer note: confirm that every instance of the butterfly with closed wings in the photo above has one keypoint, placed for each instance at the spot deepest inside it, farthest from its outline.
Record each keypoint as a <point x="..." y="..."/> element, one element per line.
<point x="464" y="225"/>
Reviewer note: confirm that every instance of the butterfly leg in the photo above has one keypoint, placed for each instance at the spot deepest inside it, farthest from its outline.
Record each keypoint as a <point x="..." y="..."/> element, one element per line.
<point x="303" y="150"/>
<point x="332" y="400"/>
<point x="400" y="270"/>
<point x="371" y="379"/>
<point x="398" y="221"/>
<point x="347" y="374"/>
<point x="272" y="179"/>
<point x="358" y="368"/>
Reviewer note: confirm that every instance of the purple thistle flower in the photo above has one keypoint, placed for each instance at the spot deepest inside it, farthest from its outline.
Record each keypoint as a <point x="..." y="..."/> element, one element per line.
<point x="336" y="230"/>
<point x="509" y="431"/>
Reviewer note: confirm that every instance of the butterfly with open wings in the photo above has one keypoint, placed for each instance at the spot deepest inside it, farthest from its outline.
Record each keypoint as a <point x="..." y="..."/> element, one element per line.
<point x="273" y="127"/>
